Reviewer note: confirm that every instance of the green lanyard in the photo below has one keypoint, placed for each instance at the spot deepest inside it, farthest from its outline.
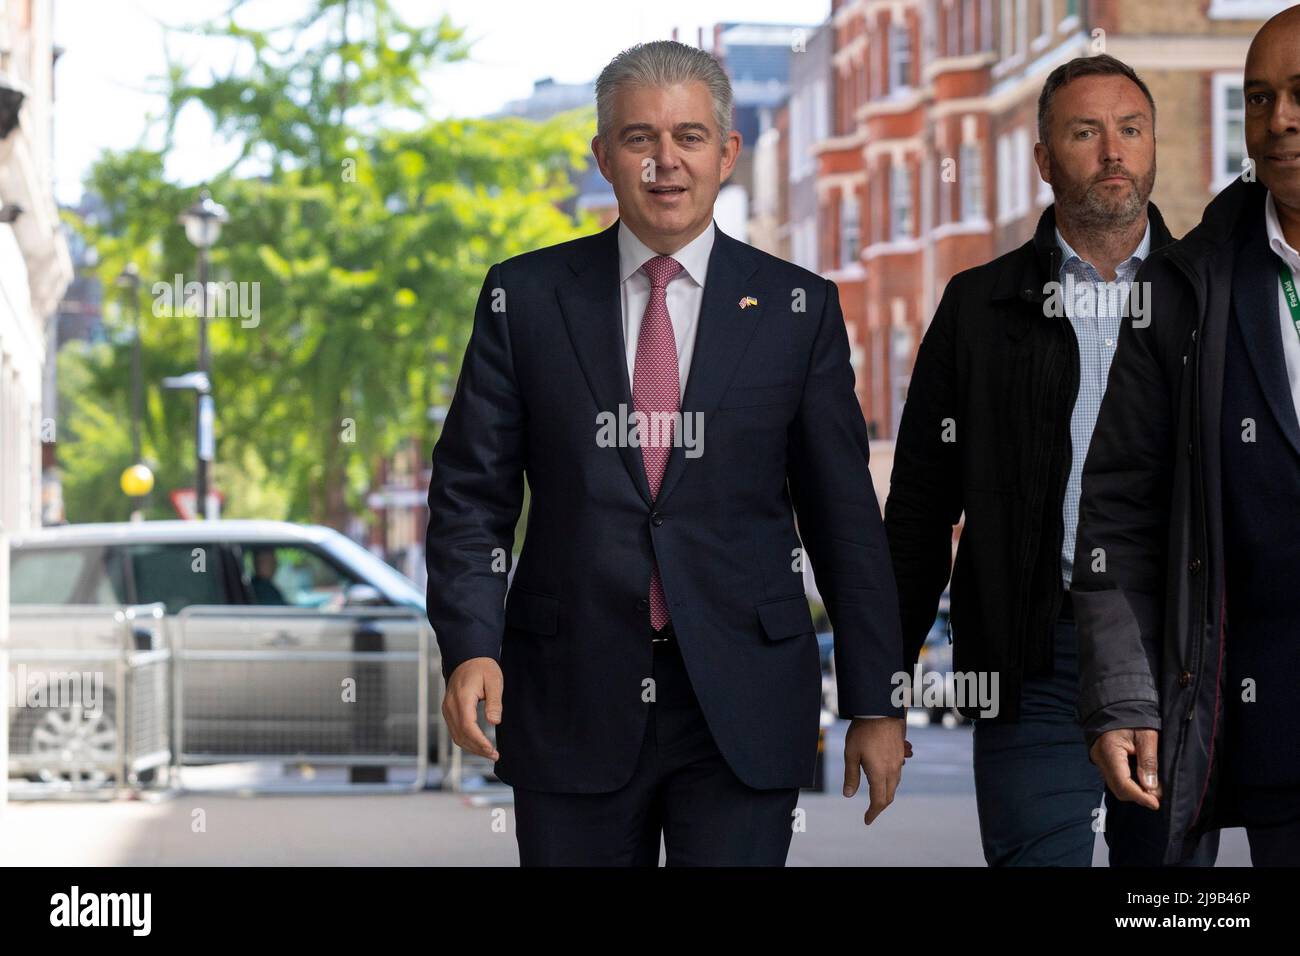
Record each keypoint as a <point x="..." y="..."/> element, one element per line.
<point x="1289" y="292"/>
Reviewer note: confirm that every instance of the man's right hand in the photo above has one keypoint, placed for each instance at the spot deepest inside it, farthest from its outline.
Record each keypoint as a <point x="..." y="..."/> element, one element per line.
<point x="478" y="678"/>
<point x="1111" y="752"/>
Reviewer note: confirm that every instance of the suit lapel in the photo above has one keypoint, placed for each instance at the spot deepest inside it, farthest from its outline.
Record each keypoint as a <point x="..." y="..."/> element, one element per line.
<point x="721" y="338"/>
<point x="592" y="306"/>
<point x="1254" y="300"/>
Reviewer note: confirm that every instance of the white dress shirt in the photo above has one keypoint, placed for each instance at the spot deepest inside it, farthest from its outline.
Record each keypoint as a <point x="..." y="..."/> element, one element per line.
<point x="684" y="294"/>
<point x="1290" y="341"/>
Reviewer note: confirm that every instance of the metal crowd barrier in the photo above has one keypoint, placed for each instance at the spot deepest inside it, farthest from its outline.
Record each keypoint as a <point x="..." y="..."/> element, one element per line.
<point x="88" y="695"/>
<point x="303" y="700"/>
<point x="221" y="699"/>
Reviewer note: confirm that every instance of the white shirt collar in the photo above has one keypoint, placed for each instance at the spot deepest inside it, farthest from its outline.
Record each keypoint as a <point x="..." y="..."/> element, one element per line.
<point x="1276" y="240"/>
<point x="694" y="256"/>
<point x="1140" y="253"/>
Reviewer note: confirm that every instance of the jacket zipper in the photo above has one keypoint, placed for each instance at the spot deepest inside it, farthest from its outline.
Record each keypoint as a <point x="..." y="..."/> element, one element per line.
<point x="1197" y="484"/>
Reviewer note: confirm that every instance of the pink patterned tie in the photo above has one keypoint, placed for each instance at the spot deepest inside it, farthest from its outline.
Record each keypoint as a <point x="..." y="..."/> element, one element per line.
<point x="656" y="387"/>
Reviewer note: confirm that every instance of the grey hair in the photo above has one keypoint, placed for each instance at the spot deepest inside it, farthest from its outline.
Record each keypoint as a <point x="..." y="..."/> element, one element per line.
<point x="662" y="63"/>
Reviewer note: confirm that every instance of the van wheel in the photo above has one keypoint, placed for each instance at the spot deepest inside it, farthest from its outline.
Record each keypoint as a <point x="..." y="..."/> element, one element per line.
<point x="76" y="742"/>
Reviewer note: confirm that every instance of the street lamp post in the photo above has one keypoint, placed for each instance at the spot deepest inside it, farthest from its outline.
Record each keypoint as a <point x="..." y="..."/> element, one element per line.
<point x="137" y="480"/>
<point x="203" y="222"/>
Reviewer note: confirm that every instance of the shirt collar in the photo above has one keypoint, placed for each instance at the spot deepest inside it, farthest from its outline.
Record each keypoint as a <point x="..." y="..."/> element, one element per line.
<point x="1140" y="253"/>
<point x="1276" y="240"/>
<point x="693" y="257"/>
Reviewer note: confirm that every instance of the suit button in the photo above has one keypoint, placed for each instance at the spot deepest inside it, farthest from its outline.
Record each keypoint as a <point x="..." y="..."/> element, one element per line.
<point x="1185" y="679"/>
<point x="656" y="518"/>
<point x="642" y="604"/>
<point x="1195" y="566"/>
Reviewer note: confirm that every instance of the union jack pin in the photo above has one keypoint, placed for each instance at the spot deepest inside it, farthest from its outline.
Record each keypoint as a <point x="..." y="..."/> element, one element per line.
<point x="748" y="301"/>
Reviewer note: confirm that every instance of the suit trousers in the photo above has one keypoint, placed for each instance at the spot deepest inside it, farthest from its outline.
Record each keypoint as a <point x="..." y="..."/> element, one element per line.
<point x="681" y="790"/>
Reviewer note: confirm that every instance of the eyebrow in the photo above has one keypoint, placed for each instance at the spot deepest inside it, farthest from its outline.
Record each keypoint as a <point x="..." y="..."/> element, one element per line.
<point x="1128" y="118"/>
<point x="679" y="128"/>
<point x="1258" y="82"/>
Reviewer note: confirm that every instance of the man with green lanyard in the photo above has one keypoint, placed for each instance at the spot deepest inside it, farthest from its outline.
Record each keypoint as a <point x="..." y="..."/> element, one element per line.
<point x="1189" y="531"/>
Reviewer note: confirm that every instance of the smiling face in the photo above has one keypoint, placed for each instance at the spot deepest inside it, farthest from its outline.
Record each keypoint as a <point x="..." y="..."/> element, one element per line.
<point x="1100" y="157"/>
<point x="666" y="161"/>
<point x="1272" y="95"/>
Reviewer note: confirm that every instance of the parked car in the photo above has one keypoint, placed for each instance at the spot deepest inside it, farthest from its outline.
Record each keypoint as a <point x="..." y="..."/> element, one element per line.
<point x="234" y="706"/>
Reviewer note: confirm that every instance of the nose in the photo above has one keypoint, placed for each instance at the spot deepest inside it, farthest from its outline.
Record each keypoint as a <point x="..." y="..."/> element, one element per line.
<point x="665" y="155"/>
<point x="1285" y="118"/>
<point x="1111" y="147"/>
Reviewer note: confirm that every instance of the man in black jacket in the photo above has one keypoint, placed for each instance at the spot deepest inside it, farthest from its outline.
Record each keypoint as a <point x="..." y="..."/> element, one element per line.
<point x="999" y="413"/>
<point x="1190" y="519"/>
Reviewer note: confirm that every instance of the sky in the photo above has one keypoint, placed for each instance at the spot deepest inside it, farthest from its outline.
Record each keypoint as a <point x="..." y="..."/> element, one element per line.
<point x="114" y="51"/>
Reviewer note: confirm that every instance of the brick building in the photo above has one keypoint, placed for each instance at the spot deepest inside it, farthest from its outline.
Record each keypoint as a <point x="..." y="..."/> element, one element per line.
<point x="928" y="168"/>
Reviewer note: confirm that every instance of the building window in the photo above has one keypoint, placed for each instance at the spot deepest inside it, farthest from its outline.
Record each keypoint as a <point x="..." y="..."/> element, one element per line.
<point x="952" y="20"/>
<point x="900" y="58"/>
<point x="900" y="201"/>
<point x="1013" y="175"/>
<point x="1245" y="9"/>
<point x="1004" y="177"/>
<point x="971" y="171"/>
<point x="1228" y="116"/>
<point x="968" y="10"/>
<point x="1045" y="21"/>
<point x="900" y="371"/>
<point x="849" y="237"/>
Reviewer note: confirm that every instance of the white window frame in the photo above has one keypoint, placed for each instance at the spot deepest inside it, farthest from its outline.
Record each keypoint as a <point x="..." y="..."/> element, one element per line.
<point x="850" y="228"/>
<point x="1220" y="175"/>
<point x="1245" y="9"/>
<point x="1022" y="164"/>
<point x="1004" y="177"/>
<point x="902" y="224"/>
<point x="900" y="81"/>
<point x="972" y="182"/>
<point x="1046" y="23"/>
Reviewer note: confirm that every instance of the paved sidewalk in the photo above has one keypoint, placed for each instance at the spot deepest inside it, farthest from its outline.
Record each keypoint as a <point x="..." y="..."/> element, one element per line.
<point x="932" y="822"/>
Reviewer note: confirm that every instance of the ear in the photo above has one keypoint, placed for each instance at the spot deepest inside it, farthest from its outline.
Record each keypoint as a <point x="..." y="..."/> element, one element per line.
<point x="730" y="153"/>
<point x="602" y="158"/>
<point x="1043" y="161"/>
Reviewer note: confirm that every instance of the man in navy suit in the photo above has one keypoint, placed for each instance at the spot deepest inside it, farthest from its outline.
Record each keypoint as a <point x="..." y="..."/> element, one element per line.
<point x="674" y="398"/>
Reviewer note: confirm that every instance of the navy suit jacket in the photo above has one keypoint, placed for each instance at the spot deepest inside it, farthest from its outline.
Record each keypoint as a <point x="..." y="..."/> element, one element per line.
<point x="782" y="434"/>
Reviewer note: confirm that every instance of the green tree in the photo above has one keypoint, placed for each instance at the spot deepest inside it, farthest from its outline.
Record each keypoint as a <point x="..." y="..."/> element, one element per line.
<point x="366" y="231"/>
